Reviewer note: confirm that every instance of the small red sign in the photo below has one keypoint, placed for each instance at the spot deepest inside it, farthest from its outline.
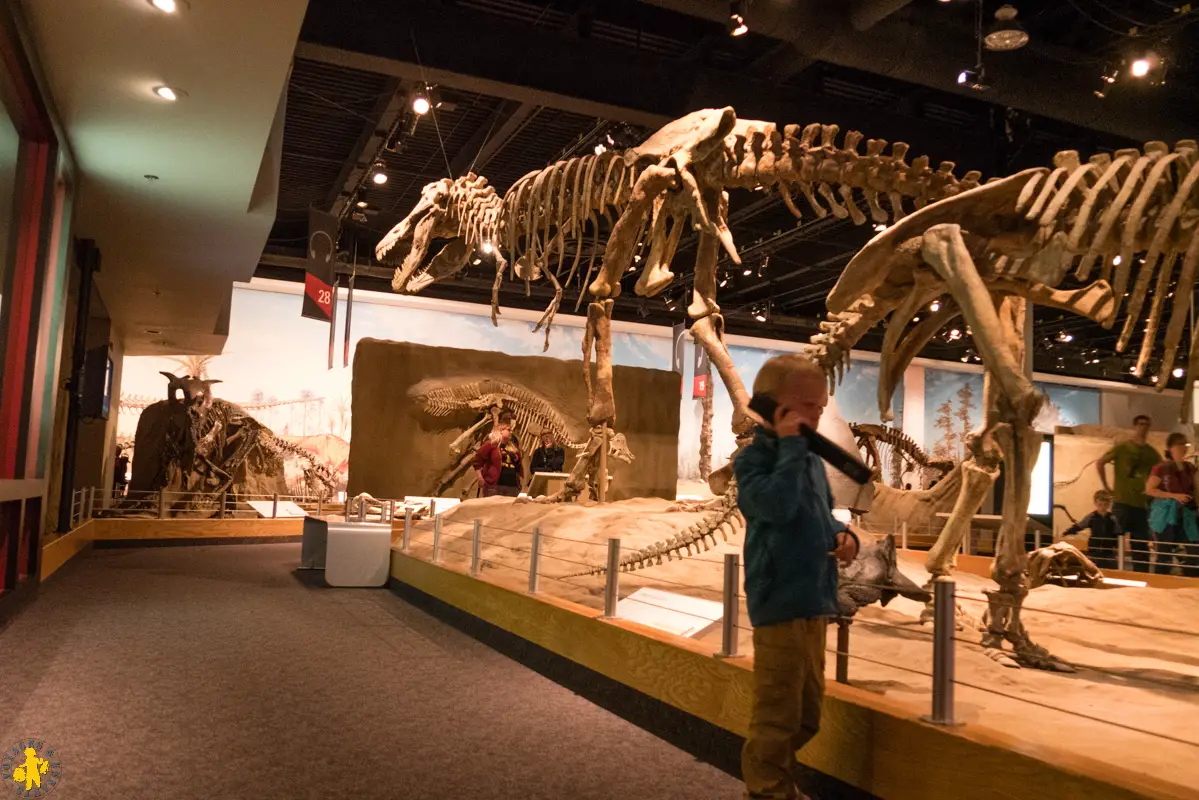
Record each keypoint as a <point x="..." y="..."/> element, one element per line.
<point x="700" y="387"/>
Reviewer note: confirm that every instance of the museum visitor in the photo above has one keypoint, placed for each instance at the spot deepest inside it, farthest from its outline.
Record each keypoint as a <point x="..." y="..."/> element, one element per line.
<point x="550" y="457"/>
<point x="498" y="464"/>
<point x="1131" y="462"/>
<point x="1172" y="517"/>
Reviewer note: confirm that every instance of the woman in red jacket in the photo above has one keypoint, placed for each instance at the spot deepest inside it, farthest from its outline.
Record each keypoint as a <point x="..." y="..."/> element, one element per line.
<point x="498" y="465"/>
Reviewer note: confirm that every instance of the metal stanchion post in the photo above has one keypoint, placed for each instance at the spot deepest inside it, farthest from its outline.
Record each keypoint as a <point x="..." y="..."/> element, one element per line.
<point x="162" y="504"/>
<point x="474" y="547"/>
<point x="944" y="613"/>
<point x="843" y="649"/>
<point x="732" y="608"/>
<point x="91" y="501"/>
<point x="407" y="540"/>
<point x="612" y="585"/>
<point x="436" y="538"/>
<point x="904" y="534"/>
<point x="362" y="510"/>
<point x="1036" y="539"/>
<point x="534" y="558"/>
<point x="275" y="507"/>
<point x="349" y="506"/>
<point x="320" y="506"/>
<point x="432" y="506"/>
<point x="224" y="499"/>
<point x="1121" y="551"/>
<point x="391" y="510"/>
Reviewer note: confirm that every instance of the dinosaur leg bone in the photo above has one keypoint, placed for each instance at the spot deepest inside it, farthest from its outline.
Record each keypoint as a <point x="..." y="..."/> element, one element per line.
<point x="945" y="250"/>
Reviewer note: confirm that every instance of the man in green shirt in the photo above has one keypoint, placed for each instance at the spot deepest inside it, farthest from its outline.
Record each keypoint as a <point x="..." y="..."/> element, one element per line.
<point x="1132" y="461"/>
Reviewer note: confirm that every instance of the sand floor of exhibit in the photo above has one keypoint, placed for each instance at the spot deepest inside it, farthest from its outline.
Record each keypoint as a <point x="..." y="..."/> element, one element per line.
<point x="1134" y="701"/>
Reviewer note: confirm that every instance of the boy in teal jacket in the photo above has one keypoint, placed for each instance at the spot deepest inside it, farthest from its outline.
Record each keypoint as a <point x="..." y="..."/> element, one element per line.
<point x="792" y="546"/>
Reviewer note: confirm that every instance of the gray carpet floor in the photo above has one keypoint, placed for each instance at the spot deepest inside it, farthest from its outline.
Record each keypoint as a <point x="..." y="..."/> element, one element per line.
<point x="201" y="672"/>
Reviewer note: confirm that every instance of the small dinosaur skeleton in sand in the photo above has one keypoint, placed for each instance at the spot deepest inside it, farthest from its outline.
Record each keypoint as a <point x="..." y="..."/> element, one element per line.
<point x="987" y="254"/>
<point x="676" y="180"/>
<point x="486" y="400"/>
<point x="883" y="444"/>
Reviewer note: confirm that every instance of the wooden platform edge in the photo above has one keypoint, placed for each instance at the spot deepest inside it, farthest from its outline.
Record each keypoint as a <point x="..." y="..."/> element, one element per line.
<point x="868" y="741"/>
<point x="129" y="529"/>
<point x="59" y="551"/>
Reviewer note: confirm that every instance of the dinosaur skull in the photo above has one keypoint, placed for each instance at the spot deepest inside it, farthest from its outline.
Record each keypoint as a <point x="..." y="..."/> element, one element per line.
<point x="408" y="242"/>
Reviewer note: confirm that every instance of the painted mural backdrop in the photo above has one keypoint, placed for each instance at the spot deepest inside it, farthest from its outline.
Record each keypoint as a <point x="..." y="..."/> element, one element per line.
<point x="953" y="408"/>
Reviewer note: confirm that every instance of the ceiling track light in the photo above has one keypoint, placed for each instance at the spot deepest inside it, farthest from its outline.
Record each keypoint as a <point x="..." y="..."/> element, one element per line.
<point x="737" y="25"/>
<point x="169" y="6"/>
<point x="974" y="78"/>
<point x="1006" y="33"/>
<point x="379" y="173"/>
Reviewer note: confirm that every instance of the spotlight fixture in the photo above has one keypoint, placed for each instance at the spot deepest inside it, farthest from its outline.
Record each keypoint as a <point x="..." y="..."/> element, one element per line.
<point x="362" y="204"/>
<point x="488" y="247"/>
<point x="974" y="78"/>
<point x="747" y="271"/>
<point x="737" y="26"/>
<point x="1065" y="337"/>
<point x="934" y="305"/>
<point x="169" y="93"/>
<point x="168" y="6"/>
<point x="599" y="149"/>
<point x="1178" y="372"/>
<point x="879" y="227"/>
<point x="421" y="104"/>
<point x="1147" y="66"/>
<point x="954" y="335"/>
<point x="380" y="173"/>
<point x="1006" y="33"/>
<point x="1139" y="68"/>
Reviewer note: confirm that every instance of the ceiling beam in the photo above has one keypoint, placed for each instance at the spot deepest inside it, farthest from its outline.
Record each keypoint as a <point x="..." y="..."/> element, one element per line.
<point x="473" y="83"/>
<point x="386" y="113"/>
<point x="490" y="139"/>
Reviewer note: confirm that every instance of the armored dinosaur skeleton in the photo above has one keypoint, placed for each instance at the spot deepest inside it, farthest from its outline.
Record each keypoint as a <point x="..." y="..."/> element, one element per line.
<point x="677" y="179"/>
<point x="990" y="252"/>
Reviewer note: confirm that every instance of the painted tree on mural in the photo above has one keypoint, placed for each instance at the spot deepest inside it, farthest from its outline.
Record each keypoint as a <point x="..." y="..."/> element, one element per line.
<point x="964" y="413"/>
<point x="946" y="446"/>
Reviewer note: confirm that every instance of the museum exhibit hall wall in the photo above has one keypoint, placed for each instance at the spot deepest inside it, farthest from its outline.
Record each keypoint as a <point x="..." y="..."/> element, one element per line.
<point x="276" y="365"/>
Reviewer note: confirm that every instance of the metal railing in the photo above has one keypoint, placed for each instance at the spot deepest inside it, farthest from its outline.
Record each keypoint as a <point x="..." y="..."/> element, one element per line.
<point x="481" y="550"/>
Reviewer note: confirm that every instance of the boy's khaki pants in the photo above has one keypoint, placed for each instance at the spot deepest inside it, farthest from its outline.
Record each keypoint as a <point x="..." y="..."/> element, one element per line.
<point x="788" y="692"/>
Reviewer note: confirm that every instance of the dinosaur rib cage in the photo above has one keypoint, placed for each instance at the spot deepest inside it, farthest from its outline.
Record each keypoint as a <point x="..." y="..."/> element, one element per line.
<point x="888" y="447"/>
<point x="533" y="413"/>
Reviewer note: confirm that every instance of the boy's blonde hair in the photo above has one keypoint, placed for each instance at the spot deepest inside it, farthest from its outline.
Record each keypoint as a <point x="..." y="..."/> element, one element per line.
<point x="780" y="369"/>
<point x="1103" y="495"/>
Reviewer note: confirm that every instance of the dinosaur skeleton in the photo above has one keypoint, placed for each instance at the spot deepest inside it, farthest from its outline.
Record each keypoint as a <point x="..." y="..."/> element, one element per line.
<point x="206" y="448"/>
<point x="990" y="252"/>
<point x="675" y="180"/>
<point x="883" y="444"/>
<point x="486" y="399"/>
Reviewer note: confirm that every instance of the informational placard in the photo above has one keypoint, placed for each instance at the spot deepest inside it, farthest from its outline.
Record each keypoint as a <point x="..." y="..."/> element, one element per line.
<point x="266" y="508"/>
<point x="670" y="612"/>
<point x="319" y="266"/>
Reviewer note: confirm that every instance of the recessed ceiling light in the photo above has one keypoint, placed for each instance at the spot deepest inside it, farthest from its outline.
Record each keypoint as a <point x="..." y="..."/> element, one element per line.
<point x="169" y="93"/>
<point x="169" y="6"/>
<point x="362" y="204"/>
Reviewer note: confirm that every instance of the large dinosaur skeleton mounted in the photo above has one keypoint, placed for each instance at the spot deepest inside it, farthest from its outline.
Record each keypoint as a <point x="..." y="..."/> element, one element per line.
<point x="646" y="197"/>
<point x="485" y="400"/>
<point x="989" y="253"/>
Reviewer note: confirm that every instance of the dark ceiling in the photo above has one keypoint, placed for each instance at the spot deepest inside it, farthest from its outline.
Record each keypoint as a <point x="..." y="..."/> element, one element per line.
<point x="522" y="83"/>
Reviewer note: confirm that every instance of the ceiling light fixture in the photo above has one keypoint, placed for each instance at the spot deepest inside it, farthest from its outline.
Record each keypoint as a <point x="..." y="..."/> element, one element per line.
<point x="421" y="104"/>
<point x="362" y="204"/>
<point x="169" y="93"/>
<point x="737" y="26"/>
<point x="488" y="247"/>
<point x="1178" y="372"/>
<point x="1140" y="68"/>
<point x="380" y="175"/>
<point x="1006" y="33"/>
<point x="935" y="305"/>
<point x="974" y="78"/>
<point x="168" y="6"/>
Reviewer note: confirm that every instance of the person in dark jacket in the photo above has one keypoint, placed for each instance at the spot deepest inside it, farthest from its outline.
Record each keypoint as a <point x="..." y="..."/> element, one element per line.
<point x="792" y="546"/>
<point x="550" y="457"/>
<point x="1105" y="531"/>
<point x="498" y="464"/>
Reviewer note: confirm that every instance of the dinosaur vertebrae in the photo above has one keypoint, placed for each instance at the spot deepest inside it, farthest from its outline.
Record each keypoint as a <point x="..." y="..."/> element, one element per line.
<point x="478" y="209"/>
<point x="764" y="157"/>
<point x="723" y="519"/>
<point x="1111" y="208"/>
<point x="882" y="441"/>
<point x="533" y="413"/>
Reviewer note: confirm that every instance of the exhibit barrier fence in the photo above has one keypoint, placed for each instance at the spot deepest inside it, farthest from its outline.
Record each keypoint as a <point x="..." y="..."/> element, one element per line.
<point x="476" y="548"/>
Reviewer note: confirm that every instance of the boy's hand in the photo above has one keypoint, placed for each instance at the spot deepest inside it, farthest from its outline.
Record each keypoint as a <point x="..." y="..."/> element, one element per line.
<point x="847" y="548"/>
<point x="786" y="421"/>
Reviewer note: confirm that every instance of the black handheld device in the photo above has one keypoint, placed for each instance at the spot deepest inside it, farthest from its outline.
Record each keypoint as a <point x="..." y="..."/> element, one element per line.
<point x="843" y="461"/>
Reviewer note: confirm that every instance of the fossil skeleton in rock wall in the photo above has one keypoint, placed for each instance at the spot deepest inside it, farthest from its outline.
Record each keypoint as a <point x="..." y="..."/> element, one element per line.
<point x="487" y="399"/>
<point x="885" y="445"/>
<point x="1067" y="237"/>
<point x="647" y="196"/>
